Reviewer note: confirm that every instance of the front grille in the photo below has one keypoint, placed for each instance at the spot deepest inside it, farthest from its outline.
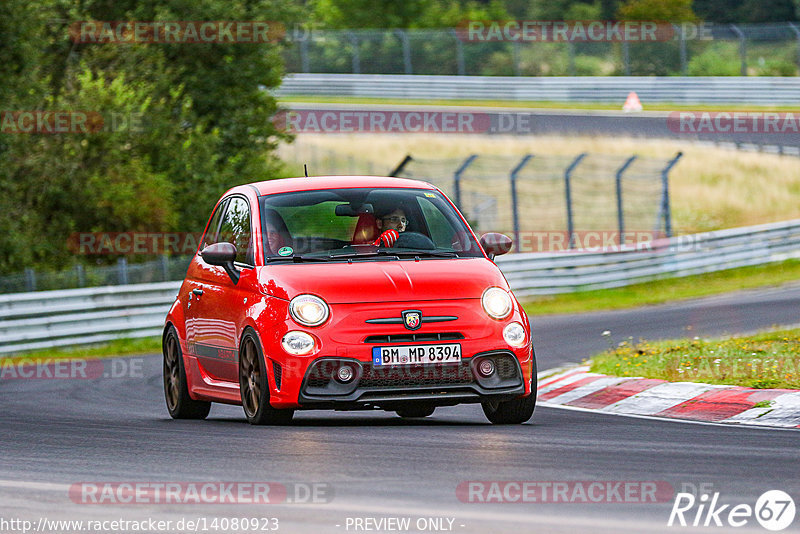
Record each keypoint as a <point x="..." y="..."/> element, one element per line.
<point x="411" y="338"/>
<point x="416" y="375"/>
<point x="506" y="367"/>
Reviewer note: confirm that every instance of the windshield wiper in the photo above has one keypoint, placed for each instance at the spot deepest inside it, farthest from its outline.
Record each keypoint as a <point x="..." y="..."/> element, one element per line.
<point x="360" y="255"/>
<point x="430" y="253"/>
<point x="297" y="258"/>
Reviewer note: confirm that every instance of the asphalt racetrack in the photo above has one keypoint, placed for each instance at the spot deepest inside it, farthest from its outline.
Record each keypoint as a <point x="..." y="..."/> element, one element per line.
<point x="371" y="466"/>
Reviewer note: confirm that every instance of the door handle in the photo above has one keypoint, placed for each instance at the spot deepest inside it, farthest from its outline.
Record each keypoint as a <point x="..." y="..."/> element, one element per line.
<point x="197" y="292"/>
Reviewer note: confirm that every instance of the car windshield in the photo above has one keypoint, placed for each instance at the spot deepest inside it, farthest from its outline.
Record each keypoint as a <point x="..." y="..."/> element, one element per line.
<point x="363" y="224"/>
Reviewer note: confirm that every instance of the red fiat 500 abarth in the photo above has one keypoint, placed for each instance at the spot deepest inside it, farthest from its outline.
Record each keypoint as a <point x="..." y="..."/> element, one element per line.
<point x="345" y="293"/>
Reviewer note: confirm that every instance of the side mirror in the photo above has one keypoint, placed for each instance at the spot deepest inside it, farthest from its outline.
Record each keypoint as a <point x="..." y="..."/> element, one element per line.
<point x="222" y="255"/>
<point x="496" y="244"/>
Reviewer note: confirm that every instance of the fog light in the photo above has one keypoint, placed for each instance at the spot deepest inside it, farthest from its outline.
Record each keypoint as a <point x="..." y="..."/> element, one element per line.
<point x="486" y="368"/>
<point x="298" y="343"/>
<point x="514" y="334"/>
<point x="345" y="374"/>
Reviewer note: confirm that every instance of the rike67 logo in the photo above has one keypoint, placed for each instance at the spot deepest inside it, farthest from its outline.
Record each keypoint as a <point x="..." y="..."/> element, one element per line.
<point x="774" y="510"/>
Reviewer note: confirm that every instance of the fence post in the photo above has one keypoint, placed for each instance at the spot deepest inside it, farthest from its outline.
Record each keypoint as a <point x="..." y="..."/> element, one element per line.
<point x="626" y="57"/>
<point x="163" y="263"/>
<point x="406" y="50"/>
<point x="620" y="211"/>
<point x="514" y="198"/>
<point x="122" y="271"/>
<point x="742" y="48"/>
<point x="459" y="53"/>
<point x="796" y="31"/>
<point x="684" y="54"/>
<point x="568" y="196"/>
<point x="304" y="60"/>
<point x="665" y="207"/>
<point x="356" y="52"/>
<point x="397" y="170"/>
<point x="571" y="58"/>
<point x="457" y="178"/>
<point x="30" y="279"/>
<point x="80" y="273"/>
<point x="515" y="58"/>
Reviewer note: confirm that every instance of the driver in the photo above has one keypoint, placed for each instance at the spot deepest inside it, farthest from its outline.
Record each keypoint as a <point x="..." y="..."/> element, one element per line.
<point x="390" y="226"/>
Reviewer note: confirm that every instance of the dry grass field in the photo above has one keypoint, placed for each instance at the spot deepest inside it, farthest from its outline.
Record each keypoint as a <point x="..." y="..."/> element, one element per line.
<point x="711" y="187"/>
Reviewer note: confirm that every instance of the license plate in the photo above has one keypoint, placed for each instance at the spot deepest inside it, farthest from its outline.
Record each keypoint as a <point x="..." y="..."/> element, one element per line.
<point x="416" y="355"/>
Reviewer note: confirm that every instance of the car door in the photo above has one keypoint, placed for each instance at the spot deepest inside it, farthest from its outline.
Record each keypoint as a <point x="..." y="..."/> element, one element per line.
<point x="220" y="305"/>
<point x="196" y="276"/>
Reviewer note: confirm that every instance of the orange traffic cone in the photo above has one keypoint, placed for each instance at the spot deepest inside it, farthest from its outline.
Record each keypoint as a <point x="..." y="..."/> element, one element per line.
<point x="632" y="103"/>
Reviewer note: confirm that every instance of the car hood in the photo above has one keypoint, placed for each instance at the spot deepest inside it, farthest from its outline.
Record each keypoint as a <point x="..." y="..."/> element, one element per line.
<point x="383" y="281"/>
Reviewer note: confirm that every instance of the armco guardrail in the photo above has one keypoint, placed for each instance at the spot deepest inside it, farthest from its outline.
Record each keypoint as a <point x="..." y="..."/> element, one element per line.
<point x="533" y="274"/>
<point x="762" y="90"/>
<point x="43" y="319"/>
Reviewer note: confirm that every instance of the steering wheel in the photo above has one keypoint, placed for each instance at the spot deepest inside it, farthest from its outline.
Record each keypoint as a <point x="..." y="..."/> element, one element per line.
<point x="414" y="240"/>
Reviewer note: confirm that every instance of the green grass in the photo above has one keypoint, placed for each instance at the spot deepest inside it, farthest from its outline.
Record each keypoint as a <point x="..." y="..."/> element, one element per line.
<point x="666" y="290"/>
<point x="766" y="360"/>
<point x="119" y="347"/>
<point x="598" y="106"/>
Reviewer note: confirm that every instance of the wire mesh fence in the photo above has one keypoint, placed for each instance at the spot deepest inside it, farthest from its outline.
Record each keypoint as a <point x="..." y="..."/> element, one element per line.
<point x="554" y="202"/>
<point x="695" y="50"/>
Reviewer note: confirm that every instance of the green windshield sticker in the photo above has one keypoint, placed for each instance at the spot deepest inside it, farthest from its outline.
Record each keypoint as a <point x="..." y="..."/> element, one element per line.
<point x="285" y="251"/>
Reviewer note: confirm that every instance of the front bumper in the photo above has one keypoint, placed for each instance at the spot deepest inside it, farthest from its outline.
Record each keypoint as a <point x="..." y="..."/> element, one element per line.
<point x="391" y="387"/>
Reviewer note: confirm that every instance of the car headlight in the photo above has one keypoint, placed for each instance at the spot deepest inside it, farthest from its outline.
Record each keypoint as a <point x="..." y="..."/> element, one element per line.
<point x="309" y="310"/>
<point x="514" y="334"/>
<point x="496" y="302"/>
<point x="298" y="343"/>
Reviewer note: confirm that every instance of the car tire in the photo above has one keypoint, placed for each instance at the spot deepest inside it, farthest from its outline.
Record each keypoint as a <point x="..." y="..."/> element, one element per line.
<point x="176" y="390"/>
<point x="415" y="411"/>
<point x="515" y="411"/>
<point x="254" y="386"/>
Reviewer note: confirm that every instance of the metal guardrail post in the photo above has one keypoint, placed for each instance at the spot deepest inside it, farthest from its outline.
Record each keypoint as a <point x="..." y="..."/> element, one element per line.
<point x="122" y="271"/>
<point x="620" y="211"/>
<point x="568" y="196"/>
<point x="515" y="58"/>
<point x="356" y="52"/>
<point x="742" y="48"/>
<point x="461" y="65"/>
<point x="514" y="198"/>
<point x="404" y="40"/>
<point x="665" y="206"/>
<point x="457" y="178"/>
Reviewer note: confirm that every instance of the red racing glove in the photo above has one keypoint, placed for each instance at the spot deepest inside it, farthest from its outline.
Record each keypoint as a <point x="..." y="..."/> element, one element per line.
<point x="387" y="238"/>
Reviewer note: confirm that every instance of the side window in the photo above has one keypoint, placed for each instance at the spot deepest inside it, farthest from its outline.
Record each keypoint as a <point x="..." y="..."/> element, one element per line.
<point x="211" y="234"/>
<point x="440" y="229"/>
<point x="236" y="229"/>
